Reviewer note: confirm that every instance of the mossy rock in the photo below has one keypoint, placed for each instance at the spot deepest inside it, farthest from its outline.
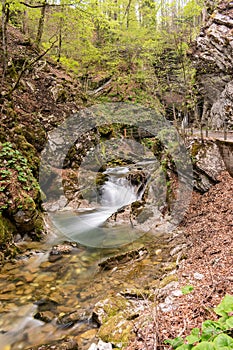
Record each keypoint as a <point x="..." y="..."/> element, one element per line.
<point x="106" y="131"/>
<point x="100" y="179"/>
<point x="108" y="308"/>
<point x="158" y="149"/>
<point x="7" y="231"/>
<point x="115" y="317"/>
<point x="20" y="193"/>
<point x="167" y="280"/>
<point x="35" y="135"/>
<point x="117" y="331"/>
<point x="27" y="150"/>
<point x="196" y="147"/>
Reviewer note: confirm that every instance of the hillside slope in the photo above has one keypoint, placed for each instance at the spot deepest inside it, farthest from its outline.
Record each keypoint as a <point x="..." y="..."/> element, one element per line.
<point x="36" y="95"/>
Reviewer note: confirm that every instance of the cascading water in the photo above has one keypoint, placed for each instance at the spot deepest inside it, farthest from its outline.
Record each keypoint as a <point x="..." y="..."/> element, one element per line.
<point x="117" y="191"/>
<point x="64" y="283"/>
<point x="88" y="228"/>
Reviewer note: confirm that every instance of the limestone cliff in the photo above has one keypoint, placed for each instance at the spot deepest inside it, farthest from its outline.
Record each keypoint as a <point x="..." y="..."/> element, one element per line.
<point x="213" y="58"/>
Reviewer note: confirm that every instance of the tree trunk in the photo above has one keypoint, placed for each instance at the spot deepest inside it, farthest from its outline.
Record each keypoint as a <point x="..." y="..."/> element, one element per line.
<point x="5" y="10"/>
<point x="59" y="40"/>
<point x="127" y="13"/>
<point x="25" y="23"/>
<point x="41" y="23"/>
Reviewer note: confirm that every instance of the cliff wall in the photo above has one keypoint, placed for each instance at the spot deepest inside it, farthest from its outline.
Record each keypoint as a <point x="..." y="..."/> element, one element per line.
<point x="213" y="58"/>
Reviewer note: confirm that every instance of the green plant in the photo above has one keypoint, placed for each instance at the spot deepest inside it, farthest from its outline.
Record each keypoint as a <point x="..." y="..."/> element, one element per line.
<point x="15" y="176"/>
<point x="187" y="289"/>
<point x="214" y="335"/>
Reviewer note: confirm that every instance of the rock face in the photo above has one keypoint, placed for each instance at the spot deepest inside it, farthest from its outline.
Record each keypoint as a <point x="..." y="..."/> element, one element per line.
<point x="213" y="58"/>
<point x="226" y="150"/>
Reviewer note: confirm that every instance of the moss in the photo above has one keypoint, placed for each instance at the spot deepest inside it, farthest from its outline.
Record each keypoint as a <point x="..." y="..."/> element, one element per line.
<point x="100" y="179"/>
<point x="20" y="195"/>
<point x="196" y="148"/>
<point x="168" y="279"/>
<point x="108" y="308"/>
<point x="117" y="330"/>
<point x="158" y="149"/>
<point x="27" y="150"/>
<point x="34" y="134"/>
<point x="7" y="231"/>
<point x="61" y="96"/>
<point x="106" y="131"/>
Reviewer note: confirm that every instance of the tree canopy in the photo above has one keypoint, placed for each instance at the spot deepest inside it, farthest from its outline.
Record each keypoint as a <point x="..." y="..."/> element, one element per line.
<point x="134" y="42"/>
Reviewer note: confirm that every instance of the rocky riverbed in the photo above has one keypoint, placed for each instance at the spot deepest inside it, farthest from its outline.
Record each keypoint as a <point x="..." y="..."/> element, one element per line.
<point x="59" y="290"/>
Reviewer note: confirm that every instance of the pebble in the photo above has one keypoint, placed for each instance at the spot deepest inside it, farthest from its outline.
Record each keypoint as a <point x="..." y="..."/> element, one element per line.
<point x="104" y="346"/>
<point x="29" y="277"/>
<point x="91" y="333"/>
<point x="93" y="347"/>
<point x="8" y="289"/>
<point x="177" y="293"/>
<point x="198" y="276"/>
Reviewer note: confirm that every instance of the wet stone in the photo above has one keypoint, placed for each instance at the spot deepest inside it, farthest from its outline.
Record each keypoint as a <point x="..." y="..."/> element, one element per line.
<point x="134" y="255"/>
<point x="53" y="257"/>
<point x="68" y="343"/>
<point x="10" y="288"/>
<point x="46" y="305"/>
<point x="46" y="316"/>
<point x="65" y="248"/>
<point x="69" y="320"/>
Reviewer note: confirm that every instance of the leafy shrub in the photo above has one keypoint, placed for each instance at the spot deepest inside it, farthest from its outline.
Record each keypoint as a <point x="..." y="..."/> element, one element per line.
<point x="214" y="335"/>
<point x="16" y="179"/>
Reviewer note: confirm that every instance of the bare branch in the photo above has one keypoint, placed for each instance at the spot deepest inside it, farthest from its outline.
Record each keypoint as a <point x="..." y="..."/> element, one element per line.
<point x="28" y="65"/>
<point x="43" y="5"/>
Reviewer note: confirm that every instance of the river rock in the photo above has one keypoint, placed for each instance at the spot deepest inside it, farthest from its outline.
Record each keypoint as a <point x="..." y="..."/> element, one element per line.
<point x="117" y="330"/>
<point x="115" y="317"/>
<point x="68" y="320"/>
<point x="113" y="261"/>
<point x="45" y="316"/>
<point x="100" y="346"/>
<point x="109" y="307"/>
<point x="68" y="343"/>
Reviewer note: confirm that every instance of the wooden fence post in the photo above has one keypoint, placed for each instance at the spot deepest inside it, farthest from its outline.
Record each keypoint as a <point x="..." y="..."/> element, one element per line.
<point x="225" y="130"/>
<point x="202" y="139"/>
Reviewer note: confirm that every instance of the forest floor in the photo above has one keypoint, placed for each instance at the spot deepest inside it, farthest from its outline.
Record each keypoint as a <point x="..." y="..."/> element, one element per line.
<point x="208" y="227"/>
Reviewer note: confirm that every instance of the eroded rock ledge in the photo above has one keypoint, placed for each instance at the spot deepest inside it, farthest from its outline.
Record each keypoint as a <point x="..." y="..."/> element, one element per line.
<point x="213" y="56"/>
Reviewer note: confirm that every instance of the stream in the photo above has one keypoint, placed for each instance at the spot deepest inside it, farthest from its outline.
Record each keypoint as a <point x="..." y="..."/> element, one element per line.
<point x="50" y="290"/>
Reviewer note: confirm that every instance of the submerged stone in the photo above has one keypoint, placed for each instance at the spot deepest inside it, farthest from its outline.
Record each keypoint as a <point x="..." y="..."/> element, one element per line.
<point x="135" y="255"/>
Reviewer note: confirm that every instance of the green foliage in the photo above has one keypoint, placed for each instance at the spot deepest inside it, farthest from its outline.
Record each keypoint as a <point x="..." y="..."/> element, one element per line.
<point x="15" y="175"/>
<point x="141" y="45"/>
<point x="187" y="289"/>
<point x="214" y="335"/>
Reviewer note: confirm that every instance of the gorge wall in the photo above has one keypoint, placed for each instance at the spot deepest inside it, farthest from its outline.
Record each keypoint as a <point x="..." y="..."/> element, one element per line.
<point x="226" y="150"/>
<point x="213" y="58"/>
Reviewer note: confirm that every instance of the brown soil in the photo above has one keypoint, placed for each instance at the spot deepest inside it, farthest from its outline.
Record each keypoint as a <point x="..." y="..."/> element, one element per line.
<point x="208" y="227"/>
<point x="46" y="93"/>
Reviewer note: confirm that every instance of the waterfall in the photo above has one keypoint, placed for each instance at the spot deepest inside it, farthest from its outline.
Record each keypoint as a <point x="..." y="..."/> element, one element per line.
<point x="117" y="191"/>
<point x="88" y="228"/>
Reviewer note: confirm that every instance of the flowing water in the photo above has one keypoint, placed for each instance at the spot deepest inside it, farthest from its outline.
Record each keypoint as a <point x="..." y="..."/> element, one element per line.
<point x="88" y="229"/>
<point x="42" y="288"/>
